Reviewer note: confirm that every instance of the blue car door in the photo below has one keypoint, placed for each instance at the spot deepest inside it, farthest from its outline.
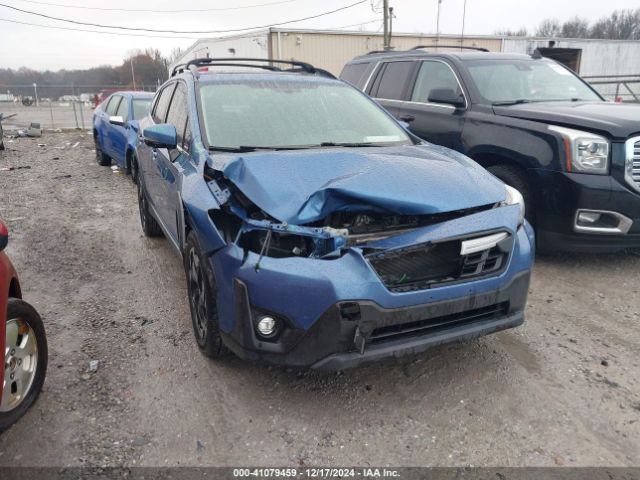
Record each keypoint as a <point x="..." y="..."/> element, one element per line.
<point x="118" y="133"/>
<point x="104" y="127"/>
<point x="171" y="163"/>
<point x="150" y="158"/>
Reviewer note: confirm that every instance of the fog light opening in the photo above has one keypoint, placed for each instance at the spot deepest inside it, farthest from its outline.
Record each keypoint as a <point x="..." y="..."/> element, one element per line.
<point x="601" y="221"/>
<point x="267" y="326"/>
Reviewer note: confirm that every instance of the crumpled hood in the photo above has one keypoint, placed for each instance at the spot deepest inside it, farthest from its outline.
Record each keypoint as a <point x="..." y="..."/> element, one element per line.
<point x="618" y="120"/>
<point x="302" y="186"/>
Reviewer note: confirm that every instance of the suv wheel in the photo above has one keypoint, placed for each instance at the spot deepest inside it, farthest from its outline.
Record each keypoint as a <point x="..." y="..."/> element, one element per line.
<point x="513" y="177"/>
<point x="25" y="361"/>
<point x="101" y="157"/>
<point x="149" y="224"/>
<point x="201" y="286"/>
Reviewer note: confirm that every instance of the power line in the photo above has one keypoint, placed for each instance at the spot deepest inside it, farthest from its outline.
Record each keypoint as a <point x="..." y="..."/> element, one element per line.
<point x="83" y="7"/>
<point x="94" y="31"/>
<point x="181" y="31"/>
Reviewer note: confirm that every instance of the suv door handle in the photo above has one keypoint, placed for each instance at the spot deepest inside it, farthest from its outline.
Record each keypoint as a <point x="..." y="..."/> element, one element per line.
<point x="407" y="118"/>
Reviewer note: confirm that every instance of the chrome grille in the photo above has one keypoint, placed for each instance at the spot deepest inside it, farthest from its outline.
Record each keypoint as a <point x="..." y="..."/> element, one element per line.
<point x="632" y="172"/>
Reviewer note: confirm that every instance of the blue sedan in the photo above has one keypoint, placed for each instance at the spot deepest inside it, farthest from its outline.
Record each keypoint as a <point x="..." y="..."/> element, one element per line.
<point x="115" y="129"/>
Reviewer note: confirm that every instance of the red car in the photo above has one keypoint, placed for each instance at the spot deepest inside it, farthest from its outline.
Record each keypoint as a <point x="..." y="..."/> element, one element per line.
<point x="23" y="341"/>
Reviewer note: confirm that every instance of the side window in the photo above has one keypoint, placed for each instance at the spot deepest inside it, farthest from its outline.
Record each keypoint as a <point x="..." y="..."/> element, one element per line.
<point x="178" y="113"/>
<point x="393" y="80"/>
<point x="353" y="73"/>
<point x="162" y="104"/>
<point x="123" y="109"/>
<point x="434" y="76"/>
<point x="113" y="104"/>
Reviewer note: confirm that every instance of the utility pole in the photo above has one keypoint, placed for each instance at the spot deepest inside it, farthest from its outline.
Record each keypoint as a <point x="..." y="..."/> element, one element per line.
<point x="438" y="23"/>
<point x="385" y="20"/>
<point x="133" y="75"/>
<point x="464" y="14"/>
<point x="390" y="26"/>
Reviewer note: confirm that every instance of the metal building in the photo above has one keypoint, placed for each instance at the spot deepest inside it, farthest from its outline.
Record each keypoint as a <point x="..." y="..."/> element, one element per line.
<point x="612" y="66"/>
<point x="327" y="49"/>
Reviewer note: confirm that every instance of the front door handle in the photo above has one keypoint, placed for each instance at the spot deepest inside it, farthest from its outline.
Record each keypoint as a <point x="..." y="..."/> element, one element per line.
<point x="407" y="118"/>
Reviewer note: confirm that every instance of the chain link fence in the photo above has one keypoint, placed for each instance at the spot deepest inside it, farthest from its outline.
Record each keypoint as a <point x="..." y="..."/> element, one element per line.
<point x="54" y="106"/>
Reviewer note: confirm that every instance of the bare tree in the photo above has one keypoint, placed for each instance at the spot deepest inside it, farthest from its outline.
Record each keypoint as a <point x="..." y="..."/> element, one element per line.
<point x="507" y="32"/>
<point x="575" y="28"/>
<point x="620" y="25"/>
<point x="549" y="28"/>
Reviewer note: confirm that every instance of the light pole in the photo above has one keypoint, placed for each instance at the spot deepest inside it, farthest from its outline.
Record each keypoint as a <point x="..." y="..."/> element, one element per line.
<point x="35" y="90"/>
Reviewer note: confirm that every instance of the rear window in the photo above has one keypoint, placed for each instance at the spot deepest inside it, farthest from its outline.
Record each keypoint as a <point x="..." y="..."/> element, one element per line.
<point x="140" y="108"/>
<point x="353" y="73"/>
<point x="393" y="81"/>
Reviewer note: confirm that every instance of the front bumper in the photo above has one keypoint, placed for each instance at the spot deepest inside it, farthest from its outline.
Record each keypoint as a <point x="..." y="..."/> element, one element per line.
<point x="337" y="313"/>
<point x="561" y="195"/>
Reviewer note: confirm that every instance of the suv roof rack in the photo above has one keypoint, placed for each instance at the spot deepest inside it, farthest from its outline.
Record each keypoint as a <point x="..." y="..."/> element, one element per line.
<point x="242" y="62"/>
<point x="418" y="47"/>
<point x="479" y="49"/>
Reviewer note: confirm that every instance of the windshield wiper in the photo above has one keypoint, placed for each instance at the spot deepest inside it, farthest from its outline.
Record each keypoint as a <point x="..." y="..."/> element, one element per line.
<point x="511" y="102"/>
<point x="238" y="149"/>
<point x="351" y="144"/>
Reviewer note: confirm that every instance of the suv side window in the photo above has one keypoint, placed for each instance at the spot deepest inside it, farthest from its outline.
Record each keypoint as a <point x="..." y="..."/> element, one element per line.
<point x="123" y="109"/>
<point x="353" y="73"/>
<point x="392" y="80"/>
<point x="162" y="104"/>
<point x="112" y="106"/>
<point x="434" y="75"/>
<point x="178" y="114"/>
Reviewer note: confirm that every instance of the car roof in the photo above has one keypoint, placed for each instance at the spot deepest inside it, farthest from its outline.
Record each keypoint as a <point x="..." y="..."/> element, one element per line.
<point x="261" y="75"/>
<point x="134" y="94"/>
<point x="448" y="54"/>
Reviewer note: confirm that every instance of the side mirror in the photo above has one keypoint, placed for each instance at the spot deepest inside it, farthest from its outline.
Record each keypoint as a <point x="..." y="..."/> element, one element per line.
<point x="162" y="135"/>
<point x="116" y="120"/>
<point x="447" y="96"/>
<point x="4" y="236"/>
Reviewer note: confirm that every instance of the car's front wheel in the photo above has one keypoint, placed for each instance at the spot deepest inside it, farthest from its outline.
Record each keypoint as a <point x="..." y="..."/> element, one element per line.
<point x="134" y="168"/>
<point x="201" y="286"/>
<point x="25" y="361"/>
<point x="149" y="224"/>
<point x="102" y="158"/>
<point x="514" y="178"/>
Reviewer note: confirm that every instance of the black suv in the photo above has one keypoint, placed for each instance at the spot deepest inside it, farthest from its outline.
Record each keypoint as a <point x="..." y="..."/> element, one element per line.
<point x="534" y="124"/>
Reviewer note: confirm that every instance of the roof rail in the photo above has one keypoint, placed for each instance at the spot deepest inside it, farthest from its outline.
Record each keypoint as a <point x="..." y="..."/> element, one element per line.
<point x="241" y="62"/>
<point x="479" y="49"/>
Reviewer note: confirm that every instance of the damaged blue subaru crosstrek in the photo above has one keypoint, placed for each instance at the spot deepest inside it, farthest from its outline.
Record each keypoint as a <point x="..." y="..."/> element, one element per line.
<point x="315" y="230"/>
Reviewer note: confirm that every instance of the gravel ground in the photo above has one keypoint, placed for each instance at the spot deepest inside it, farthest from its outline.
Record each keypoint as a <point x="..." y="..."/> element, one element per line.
<point x="561" y="390"/>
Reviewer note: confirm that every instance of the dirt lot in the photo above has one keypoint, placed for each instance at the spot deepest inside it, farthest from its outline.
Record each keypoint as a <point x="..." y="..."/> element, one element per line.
<point x="561" y="390"/>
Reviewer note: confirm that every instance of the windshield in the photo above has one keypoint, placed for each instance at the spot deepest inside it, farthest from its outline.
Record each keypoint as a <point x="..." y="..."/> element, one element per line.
<point x="140" y="108"/>
<point x="293" y="113"/>
<point x="509" y="81"/>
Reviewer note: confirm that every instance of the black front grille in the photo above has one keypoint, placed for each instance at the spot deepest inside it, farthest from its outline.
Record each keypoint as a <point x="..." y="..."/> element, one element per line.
<point x="423" y="266"/>
<point x="422" y="327"/>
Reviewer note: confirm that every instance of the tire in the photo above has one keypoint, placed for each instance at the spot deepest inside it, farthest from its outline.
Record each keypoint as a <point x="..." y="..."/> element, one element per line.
<point x="150" y="226"/>
<point x="20" y="317"/>
<point x="134" y="168"/>
<point x="102" y="158"/>
<point x="201" y="287"/>
<point x="513" y="177"/>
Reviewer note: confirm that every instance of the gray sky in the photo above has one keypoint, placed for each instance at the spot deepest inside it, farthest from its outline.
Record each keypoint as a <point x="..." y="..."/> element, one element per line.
<point x="44" y="48"/>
